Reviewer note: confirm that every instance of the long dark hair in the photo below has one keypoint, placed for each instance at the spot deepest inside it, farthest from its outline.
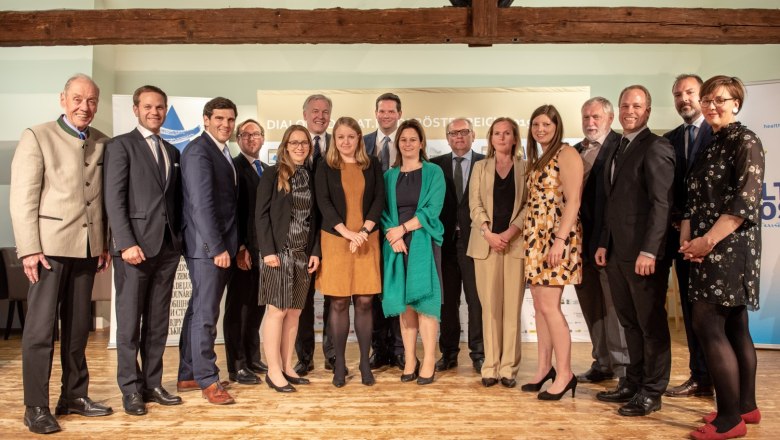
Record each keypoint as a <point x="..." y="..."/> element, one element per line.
<point x="416" y="126"/>
<point x="534" y="161"/>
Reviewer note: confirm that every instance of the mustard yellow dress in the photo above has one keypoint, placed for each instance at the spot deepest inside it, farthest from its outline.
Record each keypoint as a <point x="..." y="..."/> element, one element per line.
<point x="341" y="272"/>
<point x="543" y="218"/>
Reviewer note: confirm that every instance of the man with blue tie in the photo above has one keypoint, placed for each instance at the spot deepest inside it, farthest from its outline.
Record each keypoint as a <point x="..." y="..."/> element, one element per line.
<point x="243" y="315"/>
<point x="688" y="139"/>
<point x="316" y="112"/>
<point x="210" y="242"/>
<point x="142" y="192"/>
<point x="386" y="342"/>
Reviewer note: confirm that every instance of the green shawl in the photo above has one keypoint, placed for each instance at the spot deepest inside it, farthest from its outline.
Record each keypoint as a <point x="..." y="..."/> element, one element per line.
<point x="420" y="288"/>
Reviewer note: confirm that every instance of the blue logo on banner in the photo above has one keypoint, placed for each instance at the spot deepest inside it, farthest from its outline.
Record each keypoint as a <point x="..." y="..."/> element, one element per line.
<point x="173" y="130"/>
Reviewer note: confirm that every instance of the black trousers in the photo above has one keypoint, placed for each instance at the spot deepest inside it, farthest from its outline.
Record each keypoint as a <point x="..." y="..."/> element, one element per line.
<point x="640" y="304"/>
<point x="458" y="275"/>
<point x="143" y="305"/>
<point x="304" y="341"/>
<point x="696" y="362"/>
<point x="241" y="322"/>
<point x="67" y="287"/>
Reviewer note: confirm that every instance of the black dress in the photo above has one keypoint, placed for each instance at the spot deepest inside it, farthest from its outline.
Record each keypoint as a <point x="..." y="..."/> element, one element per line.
<point x="727" y="178"/>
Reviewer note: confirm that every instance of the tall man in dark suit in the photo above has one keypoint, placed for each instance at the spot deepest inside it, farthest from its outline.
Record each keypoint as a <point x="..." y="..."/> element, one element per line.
<point x="210" y="242"/>
<point x="639" y="176"/>
<point x="458" y="268"/>
<point x="316" y="112"/>
<point x="386" y="342"/>
<point x="243" y="315"/>
<point x="610" y="354"/>
<point x="142" y="191"/>
<point x="56" y="204"/>
<point x="688" y="139"/>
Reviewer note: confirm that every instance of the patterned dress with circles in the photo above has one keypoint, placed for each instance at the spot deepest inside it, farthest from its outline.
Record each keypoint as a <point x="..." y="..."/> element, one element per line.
<point x="543" y="217"/>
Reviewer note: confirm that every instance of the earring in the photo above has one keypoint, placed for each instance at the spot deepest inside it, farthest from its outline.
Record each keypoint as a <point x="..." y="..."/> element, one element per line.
<point x="735" y="110"/>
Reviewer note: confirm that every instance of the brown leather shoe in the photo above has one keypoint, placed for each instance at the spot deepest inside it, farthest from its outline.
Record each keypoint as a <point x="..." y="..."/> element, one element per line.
<point x="191" y="385"/>
<point x="217" y="395"/>
<point x="690" y="388"/>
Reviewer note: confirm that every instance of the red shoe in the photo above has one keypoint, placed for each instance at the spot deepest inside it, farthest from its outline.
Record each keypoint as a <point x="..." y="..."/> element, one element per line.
<point x="752" y="417"/>
<point x="709" y="432"/>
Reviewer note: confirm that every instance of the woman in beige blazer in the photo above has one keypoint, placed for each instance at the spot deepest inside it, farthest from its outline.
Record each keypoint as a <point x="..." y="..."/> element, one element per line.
<point x="496" y="198"/>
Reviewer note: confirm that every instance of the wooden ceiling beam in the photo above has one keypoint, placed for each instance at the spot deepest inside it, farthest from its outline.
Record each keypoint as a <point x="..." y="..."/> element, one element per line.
<point x="483" y="24"/>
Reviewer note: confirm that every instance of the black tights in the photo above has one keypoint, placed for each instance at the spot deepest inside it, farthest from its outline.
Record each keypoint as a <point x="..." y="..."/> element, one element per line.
<point x="731" y="359"/>
<point x="338" y="327"/>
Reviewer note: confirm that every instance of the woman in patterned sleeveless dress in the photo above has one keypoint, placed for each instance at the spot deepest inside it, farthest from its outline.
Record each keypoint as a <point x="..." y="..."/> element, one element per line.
<point x="288" y="239"/>
<point x="552" y="235"/>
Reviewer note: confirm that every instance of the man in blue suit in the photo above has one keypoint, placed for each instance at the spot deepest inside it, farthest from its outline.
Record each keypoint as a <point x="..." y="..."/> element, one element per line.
<point x="688" y="139"/>
<point x="210" y="233"/>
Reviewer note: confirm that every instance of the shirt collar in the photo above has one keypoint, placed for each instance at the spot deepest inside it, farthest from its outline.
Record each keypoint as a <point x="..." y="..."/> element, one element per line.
<point x="696" y="123"/>
<point x="469" y="154"/>
<point x="380" y="137"/>
<point x="75" y="130"/>
<point x="633" y="135"/>
<point x="249" y="158"/>
<point x="145" y="132"/>
<point x="220" y="145"/>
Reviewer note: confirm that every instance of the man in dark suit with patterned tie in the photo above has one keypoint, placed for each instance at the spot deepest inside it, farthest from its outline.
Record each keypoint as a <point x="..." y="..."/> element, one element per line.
<point x="610" y="354"/>
<point x="458" y="268"/>
<point x="210" y="229"/>
<point x="142" y="191"/>
<point x="688" y="139"/>
<point x="316" y="112"/>
<point x="241" y="322"/>
<point x="386" y="342"/>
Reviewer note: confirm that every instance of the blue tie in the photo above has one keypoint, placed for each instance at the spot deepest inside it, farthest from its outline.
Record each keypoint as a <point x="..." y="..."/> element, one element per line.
<point x="691" y="141"/>
<point x="385" y="158"/>
<point x="258" y="168"/>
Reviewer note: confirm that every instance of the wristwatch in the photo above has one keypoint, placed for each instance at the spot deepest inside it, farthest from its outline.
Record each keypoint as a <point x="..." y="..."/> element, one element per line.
<point x="363" y="229"/>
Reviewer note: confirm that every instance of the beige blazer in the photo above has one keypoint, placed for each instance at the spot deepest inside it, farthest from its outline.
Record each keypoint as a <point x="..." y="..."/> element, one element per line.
<point x="56" y="196"/>
<point x="481" y="206"/>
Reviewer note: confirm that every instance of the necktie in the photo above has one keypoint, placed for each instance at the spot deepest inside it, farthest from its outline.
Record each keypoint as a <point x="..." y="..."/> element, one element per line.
<point x="385" y="158"/>
<point x="691" y="141"/>
<point x="620" y="151"/>
<point x="160" y="158"/>
<point x="258" y="168"/>
<point x="459" y="178"/>
<point x="82" y="136"/>
<point x="317" y="151"/>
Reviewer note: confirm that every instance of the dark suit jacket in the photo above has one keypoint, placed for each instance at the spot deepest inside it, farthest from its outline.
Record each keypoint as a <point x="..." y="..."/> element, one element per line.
<point x="210" y="200"/>
<point x="639" y="200"/>
<point x="138" y="204"/>
<point x="369" y="141"/>
<point x="247" y="197"/>
<point x="594" y="196"/>
<point x="332" y="203"/>
<point x="272" y="215"/>
<point x="454" y="213"/>
<point x="677" y="138"/>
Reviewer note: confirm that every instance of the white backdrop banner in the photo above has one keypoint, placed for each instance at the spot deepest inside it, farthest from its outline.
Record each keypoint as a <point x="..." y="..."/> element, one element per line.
<point x="761" y="114"/>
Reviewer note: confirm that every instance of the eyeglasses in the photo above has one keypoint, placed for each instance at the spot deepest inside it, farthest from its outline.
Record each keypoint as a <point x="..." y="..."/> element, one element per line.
<point x="296" y="144"/>
<point x="465" y="132"/>
<point x="718" y="101"/>
<point x="254" y="136"/>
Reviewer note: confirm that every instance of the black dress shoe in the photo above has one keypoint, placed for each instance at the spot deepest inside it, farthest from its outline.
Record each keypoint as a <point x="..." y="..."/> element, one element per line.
<point x="509" y="383"/>
<point x="690" y="388"/>
<point x="83" y="406"/>
<point x="477" y="364"/>
<point x="303" y="367"/>
<point x="488" y="382"/>
<point x="594" y="375"/>
<point x="399" y="361"/>
<point x="296" y="380"/>
<point x="622" y="394"/>
<point x="244" y="377"/>
<point x="258" y="367"/>
<point x="134" y="404"/>
<point x="640" y="405"/>
<point x="378" y="360"/>
<point x="284" y="389"/>
<point x="161" y="396"/>
<point x="426" y="380"/>
<point x="446" y="363"/>
<point x="39" y="420"/>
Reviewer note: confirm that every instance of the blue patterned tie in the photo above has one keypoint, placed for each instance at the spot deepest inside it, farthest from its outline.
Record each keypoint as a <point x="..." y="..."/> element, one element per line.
<point x="386" y="154"/>
<point x="258" y="168"/>
<point x="691" y="141"/>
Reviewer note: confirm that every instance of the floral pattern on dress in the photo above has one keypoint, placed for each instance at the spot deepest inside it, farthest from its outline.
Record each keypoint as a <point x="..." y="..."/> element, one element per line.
<point x="727" y="178"/>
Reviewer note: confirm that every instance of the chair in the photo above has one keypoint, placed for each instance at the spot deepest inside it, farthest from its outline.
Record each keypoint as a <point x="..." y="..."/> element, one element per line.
<point x="14" y="286"/>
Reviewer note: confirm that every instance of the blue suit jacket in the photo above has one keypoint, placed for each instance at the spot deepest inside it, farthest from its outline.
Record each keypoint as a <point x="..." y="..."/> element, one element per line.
<point x="677" y="138"/>
<point x="369" y="141"/>
<point x="210" y="192"/>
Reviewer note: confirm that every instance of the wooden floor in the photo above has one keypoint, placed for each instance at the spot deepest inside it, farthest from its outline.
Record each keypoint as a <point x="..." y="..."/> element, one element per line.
<point x="455" y="406"/>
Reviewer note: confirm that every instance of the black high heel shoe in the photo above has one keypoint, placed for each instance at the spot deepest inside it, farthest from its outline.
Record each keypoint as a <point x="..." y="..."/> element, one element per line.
<point x="296" y="380"/>
<point x="285" y="389"/>
<point x="412" y="376"/>
<point x="426" y="380"/>
<point x="535" y="387"/>
<point x="572" y="385"/>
